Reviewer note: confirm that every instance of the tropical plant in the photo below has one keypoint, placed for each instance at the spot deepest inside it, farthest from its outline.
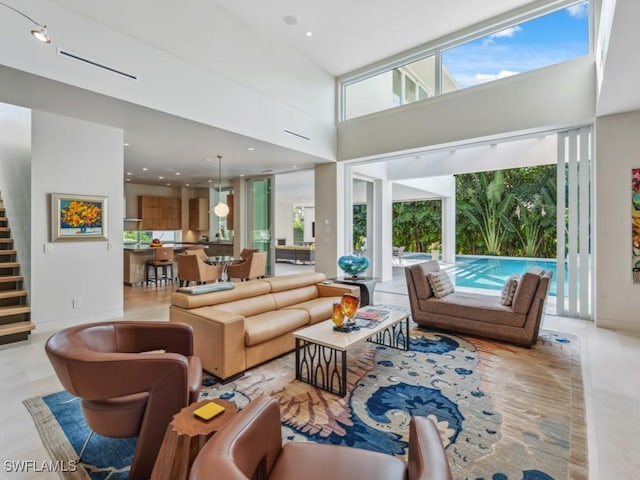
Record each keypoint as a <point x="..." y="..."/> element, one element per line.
<point x="488" y="208"/>
<point x="528" y="226"/>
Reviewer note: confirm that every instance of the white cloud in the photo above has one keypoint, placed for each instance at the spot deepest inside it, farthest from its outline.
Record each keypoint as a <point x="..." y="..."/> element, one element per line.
<point x="579" y="11"/>
<point x="488" y="77"/>
<point x="506" y="33"/>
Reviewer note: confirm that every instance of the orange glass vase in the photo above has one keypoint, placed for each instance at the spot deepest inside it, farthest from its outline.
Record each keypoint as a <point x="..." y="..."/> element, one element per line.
<point x="337" y="317"/>
<point x="348" y="308"/>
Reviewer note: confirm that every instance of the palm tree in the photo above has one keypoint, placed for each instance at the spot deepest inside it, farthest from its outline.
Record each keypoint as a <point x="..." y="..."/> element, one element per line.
<point x="487" y="210"/>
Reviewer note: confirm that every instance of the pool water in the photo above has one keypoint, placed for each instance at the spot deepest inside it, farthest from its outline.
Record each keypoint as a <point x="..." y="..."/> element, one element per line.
<point x="491" y="272"/>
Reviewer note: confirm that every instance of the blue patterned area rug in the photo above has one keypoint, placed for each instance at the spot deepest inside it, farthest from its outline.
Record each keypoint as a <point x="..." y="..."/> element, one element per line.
<point x="504" y="412"/>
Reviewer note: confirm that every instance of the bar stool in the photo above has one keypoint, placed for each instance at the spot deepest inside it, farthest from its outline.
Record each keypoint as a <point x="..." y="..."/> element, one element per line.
<point x="162" y="258"/>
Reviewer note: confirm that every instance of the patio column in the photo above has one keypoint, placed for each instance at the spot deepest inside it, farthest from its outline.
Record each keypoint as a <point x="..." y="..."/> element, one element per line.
<point x="449" y="219"/>
<point x="331" y="209"/>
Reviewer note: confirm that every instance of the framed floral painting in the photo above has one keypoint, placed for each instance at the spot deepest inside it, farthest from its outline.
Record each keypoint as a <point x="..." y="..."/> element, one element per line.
<point x="635" y="224"/>
<point x="78" y="217"/>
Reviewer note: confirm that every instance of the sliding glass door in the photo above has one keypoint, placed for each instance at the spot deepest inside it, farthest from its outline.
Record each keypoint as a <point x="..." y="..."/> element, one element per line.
<point x="260" y="217"/>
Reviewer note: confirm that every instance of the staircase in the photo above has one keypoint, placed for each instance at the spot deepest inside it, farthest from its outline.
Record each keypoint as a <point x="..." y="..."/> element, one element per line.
<point x="15" y="314"/>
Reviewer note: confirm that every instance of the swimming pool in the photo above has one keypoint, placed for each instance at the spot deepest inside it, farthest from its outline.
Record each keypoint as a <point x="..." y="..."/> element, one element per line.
<point x="491" y="272"/>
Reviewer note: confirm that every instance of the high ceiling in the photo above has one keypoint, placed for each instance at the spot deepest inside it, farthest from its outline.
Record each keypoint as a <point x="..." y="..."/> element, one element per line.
<point x="346" y="35"/>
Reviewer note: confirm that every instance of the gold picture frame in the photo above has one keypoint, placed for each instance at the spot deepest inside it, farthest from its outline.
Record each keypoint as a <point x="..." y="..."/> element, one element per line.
<point x="78" y="217"/>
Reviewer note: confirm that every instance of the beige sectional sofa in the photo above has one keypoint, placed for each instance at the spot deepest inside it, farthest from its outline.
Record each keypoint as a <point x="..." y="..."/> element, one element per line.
<point x="478" y="314"/>
<point x="237" y="329"/>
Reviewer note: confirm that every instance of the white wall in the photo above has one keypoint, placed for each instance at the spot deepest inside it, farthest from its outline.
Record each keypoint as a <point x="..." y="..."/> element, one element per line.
<point x="617" y="152"/>
<point x="15" y="180"/>
<point x="75" y="157"/>
<point x="553" y="96"/>
<point x="309" y="218"/>
<point x="283" y="222"/>
<point x="184" y="66"/>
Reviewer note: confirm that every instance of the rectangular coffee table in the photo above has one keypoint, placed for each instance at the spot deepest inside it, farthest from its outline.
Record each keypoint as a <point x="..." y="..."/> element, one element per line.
<point x="321" y="352"/>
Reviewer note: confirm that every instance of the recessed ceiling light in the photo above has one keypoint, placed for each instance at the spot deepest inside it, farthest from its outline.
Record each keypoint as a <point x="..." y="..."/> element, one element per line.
<point x="161" y="178"/>
<point x="294" y="166"/>
<point x="309" y="34"/>
<point x="242" y="174"/>
<point x="177" y="173"/>
<point x="144" y="169"/>
<point x="210" y="181"/>
<point x="125" y="144"/>
<point x="206" y="160"/>
<point x="187" y="185"/>
<point x="168" y="184"/>
<point x="128" y="179"/>
<point x="251" y="149"/>
<point x="290" y="20"/>
<point x="129" y="173"/>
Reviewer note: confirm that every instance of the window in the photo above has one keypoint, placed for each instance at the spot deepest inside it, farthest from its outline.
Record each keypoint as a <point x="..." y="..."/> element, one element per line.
<point x="405" y="84"/>
<point x="547" y="40"/>
<point x="503" y="51"/>
<point x="145" y="236"/>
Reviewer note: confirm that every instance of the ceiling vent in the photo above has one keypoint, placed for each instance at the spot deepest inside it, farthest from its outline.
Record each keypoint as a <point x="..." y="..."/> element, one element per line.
<point x="73" y="56"/>
<point x="295" y="134"/>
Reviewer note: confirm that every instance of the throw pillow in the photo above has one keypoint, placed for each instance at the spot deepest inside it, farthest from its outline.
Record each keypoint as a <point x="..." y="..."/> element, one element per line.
<point x="509" y="290"/>
<point x="440" y="283"/>
<point x="207" y="288"/>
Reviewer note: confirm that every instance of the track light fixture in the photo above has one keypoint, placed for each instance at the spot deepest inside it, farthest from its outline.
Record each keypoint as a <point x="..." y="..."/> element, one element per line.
<point x="39" y="33"/>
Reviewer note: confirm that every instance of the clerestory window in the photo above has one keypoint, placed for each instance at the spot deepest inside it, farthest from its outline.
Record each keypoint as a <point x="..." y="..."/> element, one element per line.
<point x="497" y="52"/>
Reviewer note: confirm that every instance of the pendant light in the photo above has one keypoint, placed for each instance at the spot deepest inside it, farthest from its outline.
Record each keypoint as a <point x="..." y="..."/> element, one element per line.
<point x="221" y="209"/>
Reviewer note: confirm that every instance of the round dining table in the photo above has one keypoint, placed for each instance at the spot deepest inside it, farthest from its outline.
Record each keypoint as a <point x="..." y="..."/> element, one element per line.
<point x="224" y="261"/>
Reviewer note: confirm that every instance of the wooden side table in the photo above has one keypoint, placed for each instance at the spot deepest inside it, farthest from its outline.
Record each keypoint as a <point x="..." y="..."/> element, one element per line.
<point x="184" y="438"/>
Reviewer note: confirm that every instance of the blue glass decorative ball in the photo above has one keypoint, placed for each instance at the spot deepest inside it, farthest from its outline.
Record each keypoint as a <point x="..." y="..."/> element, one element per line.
<point x="353" y="265"/>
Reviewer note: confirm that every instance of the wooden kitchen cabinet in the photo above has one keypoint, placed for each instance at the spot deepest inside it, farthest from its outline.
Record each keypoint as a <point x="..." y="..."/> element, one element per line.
<point x="159" y="213"/>
<point x="230" y="215"/>
<point x="199" y="214"/>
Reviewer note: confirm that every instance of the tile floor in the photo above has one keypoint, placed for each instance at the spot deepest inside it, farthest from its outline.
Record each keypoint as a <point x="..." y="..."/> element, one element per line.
<point x="611" y="373"/>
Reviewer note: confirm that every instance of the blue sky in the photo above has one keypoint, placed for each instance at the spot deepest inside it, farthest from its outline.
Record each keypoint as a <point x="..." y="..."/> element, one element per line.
<point x="534" y="44"/>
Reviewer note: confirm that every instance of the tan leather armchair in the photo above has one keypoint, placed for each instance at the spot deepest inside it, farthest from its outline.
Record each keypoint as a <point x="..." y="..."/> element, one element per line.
<point x="192" y="268"/>
<point x="250" y="447"/>
<point x="125" y="393"/>
<point x="254" y="267"/>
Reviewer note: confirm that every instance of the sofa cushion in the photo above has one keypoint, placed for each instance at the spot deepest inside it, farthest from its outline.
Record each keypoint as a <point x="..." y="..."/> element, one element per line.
<point x="288" y="282"/>
<point x="295" y="295"/>
<point x="527" y="287"/>
<point x="509" y="290"/>
<point x="319" y="309"/>
<point x="248" y="307"/>
<point x="241" y="290"/>
<point x="418" y="274"/>
<point x="473" y="306"/>
<point x="440" y="283"/>
<point x="263" y="327"/>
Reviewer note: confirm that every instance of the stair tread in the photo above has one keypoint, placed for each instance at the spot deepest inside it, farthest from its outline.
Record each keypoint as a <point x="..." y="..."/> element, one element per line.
<point x="6" y="240"/>
<point x="17" y="327"/>
<point x="8" y="251"/>
<point x="7" y="310"/>
<point x="12" y="294"/>
<point x="11" y="278"/>
<point x="9" y="264"/>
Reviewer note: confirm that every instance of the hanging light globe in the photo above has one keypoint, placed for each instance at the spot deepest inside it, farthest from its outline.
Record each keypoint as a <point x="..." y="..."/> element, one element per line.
<point x="221" y="209"/>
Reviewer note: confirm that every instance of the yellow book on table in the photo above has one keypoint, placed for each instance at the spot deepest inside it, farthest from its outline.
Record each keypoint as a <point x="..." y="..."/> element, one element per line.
<point x="208" y="411"/>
